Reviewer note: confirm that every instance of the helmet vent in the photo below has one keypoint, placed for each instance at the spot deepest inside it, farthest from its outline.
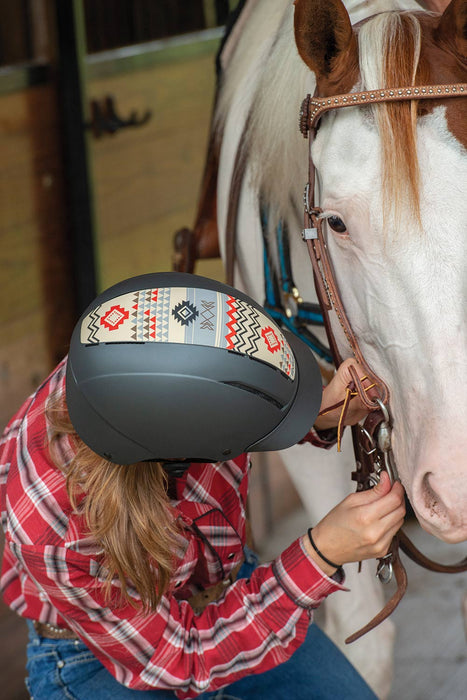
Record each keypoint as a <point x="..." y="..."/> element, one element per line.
<point x="256" y="392"/>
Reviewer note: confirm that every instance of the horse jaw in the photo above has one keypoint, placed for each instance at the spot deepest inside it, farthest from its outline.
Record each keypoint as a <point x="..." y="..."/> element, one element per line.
<point x="405" y="295"/>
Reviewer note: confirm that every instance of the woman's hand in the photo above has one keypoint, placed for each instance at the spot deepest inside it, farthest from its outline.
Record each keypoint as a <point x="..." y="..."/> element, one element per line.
<point x="335" y="392"/>
<point x="360" y="527"/>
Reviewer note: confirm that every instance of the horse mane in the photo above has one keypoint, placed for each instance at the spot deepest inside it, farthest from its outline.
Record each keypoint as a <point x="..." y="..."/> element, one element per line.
<point x="389" y="50"/>
<point x="389" y="54"/>
<point x="276" y="149"/>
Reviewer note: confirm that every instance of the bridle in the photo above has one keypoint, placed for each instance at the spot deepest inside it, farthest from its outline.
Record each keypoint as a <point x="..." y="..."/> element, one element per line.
<point x="372" y="440"/>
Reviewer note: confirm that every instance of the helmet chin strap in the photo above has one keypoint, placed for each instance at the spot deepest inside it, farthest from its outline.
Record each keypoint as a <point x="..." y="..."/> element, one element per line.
<point x="175" y="468"/>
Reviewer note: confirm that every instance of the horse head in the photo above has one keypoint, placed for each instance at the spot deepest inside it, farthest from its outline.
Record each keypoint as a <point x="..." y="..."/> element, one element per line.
<point x="392" y="188"/>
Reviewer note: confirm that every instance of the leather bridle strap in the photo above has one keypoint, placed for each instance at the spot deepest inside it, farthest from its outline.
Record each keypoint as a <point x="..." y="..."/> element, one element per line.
<point x="419" y="558"/>
<point x="393" y="602"/>
<point x="314" y="107"/>
<point x="329" y="296"/>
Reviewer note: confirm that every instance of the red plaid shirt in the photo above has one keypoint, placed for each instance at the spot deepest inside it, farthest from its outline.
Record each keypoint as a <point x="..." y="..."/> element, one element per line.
<point x="51" y="572"/>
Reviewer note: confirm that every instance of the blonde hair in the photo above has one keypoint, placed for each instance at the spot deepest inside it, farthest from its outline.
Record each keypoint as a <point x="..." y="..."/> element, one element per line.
<point x="126" y="509"/>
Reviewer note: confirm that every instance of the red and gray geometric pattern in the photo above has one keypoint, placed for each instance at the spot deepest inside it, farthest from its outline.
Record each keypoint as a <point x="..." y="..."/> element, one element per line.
<point x="191" y="316"/>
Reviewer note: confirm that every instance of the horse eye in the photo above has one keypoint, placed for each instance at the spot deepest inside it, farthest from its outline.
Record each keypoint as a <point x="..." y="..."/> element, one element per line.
<point x="336" y="224"/>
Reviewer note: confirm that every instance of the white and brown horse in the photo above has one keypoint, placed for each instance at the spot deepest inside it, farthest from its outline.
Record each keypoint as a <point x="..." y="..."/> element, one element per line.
<point x="392" y="183"/>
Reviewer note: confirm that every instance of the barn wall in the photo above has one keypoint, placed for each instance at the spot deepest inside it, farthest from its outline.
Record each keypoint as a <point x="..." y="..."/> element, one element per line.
<point x="35" y="303"/>
<point x="147" y="178"/>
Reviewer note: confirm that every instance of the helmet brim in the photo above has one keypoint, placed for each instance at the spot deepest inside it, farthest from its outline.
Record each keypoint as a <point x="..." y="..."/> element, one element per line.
<point x="304" y="408"/>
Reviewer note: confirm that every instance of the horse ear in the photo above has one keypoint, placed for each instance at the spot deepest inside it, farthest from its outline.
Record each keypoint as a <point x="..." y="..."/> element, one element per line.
<point x="453" y="26"/>
<point x="327" y="44"/>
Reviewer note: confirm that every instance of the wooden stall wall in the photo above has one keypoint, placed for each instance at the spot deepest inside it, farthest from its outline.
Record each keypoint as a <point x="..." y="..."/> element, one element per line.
<point x="146" y="178"/>
<point x="36" y="316"/>
<point x="36" y="301"/>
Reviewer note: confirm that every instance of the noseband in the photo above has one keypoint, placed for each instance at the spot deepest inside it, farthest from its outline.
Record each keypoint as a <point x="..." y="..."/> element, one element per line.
<point x="372" y="440"/>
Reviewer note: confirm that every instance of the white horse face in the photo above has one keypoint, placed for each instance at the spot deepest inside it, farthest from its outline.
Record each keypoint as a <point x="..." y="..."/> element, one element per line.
<point x="404" y="287"/>
<point x="405" y="292"/>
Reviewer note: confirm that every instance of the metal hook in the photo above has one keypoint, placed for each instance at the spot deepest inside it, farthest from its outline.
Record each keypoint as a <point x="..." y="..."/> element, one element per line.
<point x="385" y="568"/>
<point x="105" y="120"/>
<point x="370" y="441"/>
<point x="384" y="409"/>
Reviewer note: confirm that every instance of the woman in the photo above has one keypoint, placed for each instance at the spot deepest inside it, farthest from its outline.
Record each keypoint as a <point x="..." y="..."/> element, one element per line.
<point x="125" y="525"/>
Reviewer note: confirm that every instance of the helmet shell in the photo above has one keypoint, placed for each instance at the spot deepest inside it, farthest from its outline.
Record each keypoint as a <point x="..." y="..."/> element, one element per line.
<point x="173" y="366"/>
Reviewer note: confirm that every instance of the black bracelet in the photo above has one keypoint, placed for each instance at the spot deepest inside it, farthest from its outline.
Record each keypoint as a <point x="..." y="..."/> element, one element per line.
<point x="328" y="561"/>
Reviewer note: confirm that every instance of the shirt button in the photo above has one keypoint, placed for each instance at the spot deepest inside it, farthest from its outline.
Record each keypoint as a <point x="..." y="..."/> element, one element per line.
<point x="60" y="664"/>
<point x="231" y="555"/>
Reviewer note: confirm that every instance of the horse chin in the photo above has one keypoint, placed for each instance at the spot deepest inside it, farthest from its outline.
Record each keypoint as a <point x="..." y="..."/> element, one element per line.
<point x="446" y="533"/>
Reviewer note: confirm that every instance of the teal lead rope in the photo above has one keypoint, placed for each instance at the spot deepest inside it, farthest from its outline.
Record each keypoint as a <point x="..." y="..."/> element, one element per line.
<point x="298" y="314"/>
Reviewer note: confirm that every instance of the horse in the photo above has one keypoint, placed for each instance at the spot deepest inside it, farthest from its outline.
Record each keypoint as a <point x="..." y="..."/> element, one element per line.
<point x="391" y="180"/>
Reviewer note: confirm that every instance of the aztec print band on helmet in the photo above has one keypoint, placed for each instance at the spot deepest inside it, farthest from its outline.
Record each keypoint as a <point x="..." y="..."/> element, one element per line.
<point x="189" y="316"/>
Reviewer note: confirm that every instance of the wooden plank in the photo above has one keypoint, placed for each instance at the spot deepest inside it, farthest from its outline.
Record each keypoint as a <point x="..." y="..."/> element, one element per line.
<point x="184" y="49"/>
<point x="147" y="180"/>
<point x="36" y="305"/>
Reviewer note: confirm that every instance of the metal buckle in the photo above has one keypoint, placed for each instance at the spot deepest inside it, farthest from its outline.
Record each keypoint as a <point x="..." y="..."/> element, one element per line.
<point x="292" y="299"/>
<point x="309" y="234"/>
<point x="385" y="568"/>
<point x="384" y="443"/>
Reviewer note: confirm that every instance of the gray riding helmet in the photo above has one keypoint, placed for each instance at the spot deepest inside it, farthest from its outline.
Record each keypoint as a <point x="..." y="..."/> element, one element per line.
<point x="173" y="366"/>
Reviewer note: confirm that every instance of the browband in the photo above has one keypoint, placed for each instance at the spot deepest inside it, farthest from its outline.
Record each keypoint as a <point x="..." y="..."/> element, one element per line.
<point x="313" y="107"/>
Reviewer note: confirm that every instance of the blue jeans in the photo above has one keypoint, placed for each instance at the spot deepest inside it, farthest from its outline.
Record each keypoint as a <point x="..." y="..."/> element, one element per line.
<point x="64" y="668"/>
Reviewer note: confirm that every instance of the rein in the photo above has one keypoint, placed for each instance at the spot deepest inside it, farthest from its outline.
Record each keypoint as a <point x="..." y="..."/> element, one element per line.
<point x="372" y="440"/>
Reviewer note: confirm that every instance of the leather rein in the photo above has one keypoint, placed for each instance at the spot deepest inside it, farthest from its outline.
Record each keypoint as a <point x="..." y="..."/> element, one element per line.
<point x="372" y="440"/>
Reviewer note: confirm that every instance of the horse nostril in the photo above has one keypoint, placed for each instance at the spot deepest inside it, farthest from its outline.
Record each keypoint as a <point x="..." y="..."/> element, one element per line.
<point x="431" y="499"/>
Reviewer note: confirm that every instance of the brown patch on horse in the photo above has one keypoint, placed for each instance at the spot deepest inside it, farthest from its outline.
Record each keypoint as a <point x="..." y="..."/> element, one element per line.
<point x="327" y="44"/>
<point x="444" y="60"/>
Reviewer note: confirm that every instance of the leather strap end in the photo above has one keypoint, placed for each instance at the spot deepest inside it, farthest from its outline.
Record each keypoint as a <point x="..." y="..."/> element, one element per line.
<point x="391" y="605"/>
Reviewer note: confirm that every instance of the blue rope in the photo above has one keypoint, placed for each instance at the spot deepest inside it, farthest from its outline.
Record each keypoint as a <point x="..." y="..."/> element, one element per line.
<point x="273" y="304"/>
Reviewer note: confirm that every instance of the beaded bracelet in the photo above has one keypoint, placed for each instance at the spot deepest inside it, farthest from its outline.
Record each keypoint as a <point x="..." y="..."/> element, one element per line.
<point x="328" y="561"/>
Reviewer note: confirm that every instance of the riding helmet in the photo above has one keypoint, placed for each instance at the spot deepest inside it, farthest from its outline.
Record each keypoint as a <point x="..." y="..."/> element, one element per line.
<point x="173" y="366"/>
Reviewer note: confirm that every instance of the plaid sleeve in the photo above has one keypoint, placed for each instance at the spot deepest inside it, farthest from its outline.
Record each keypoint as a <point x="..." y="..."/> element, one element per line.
<point x="257" y="624"/>
<point x="320" y="438"/>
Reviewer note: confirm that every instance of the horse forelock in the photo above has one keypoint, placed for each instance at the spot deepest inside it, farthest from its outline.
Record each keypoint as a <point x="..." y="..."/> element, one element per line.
<point x="389" y="54"/>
